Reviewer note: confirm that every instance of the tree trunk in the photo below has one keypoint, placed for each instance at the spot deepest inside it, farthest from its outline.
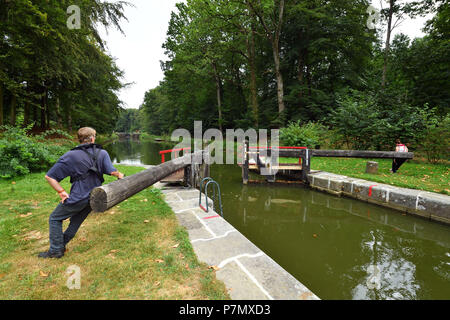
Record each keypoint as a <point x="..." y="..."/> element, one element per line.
<point x="47" y="115"/>
<point x="69" y="120"/>
<point x="58" y="113"/>
<point x="279" y="77"/>
<point x="35" y="115"/>
<point x="12" y="117"/>
<point x="302" y="54"/>
<point x="43" y="108"/>
<point x="26" y="114"/>
<point x="388" y="42"/>
<point x="219" y="93"/>
<point x="253" y="84"/>
<point x="309" y="79"/>
<point x="276" y="58"/>
<point x="1" y="104"/>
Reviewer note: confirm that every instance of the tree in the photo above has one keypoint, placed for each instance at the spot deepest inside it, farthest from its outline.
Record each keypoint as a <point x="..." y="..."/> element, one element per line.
<point x="43" y="64"/>
<point x="270" y="15"/>
<point x="398" y="10"/>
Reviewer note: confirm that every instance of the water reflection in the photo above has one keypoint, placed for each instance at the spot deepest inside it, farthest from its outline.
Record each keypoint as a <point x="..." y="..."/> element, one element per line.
<point x="330" y="243"/>
<point x="135" y="152"/>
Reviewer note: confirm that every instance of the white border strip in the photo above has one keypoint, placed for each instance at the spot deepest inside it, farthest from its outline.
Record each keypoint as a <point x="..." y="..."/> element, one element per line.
<point x="217" y="237"/>
<point x="244" y="255"/>
<point x="204" y="224"/>
<point x="253" y="279"/>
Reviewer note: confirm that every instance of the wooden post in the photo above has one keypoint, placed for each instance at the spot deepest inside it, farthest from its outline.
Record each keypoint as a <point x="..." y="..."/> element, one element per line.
<point x="187" y="181"/>
<point x="269" y="166"/>
<point x="372" y="167"/>
<point x="306" y="165"/>
<point x="348" y="154"/>
<point x="245" y="164"/>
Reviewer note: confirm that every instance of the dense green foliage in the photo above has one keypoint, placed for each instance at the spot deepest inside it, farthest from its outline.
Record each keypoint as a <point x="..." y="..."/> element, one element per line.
<point x="128" y="121"/>
<point x="53" y="75"/>
<point x="229" y="61"/>
<point x="21" y="153"/>
<point x="435" y="139"/>
<point x="310" y="135"/>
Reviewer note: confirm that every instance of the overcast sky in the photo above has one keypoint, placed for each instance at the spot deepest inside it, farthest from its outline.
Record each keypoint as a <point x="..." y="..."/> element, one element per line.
<point x="138" y="53"/>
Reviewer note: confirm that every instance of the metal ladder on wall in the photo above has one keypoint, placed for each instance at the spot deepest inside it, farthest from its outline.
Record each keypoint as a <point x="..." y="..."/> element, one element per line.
<point x="216" y="186"/>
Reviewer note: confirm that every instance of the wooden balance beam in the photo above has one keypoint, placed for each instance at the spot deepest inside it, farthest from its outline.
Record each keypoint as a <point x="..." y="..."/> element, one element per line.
<point x="307" y="154"/>
<point x="105" y="197"/>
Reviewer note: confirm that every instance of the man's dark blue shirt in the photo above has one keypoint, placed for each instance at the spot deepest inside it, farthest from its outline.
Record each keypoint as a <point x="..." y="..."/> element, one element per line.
<point x="77" y="162"/>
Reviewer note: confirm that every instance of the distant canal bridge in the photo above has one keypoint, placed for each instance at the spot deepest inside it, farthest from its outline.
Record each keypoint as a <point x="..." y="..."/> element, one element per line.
<point x="127" y="135"/>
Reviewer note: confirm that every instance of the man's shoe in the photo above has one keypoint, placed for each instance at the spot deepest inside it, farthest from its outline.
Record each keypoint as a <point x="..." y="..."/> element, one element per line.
<point x="48" y="254"/>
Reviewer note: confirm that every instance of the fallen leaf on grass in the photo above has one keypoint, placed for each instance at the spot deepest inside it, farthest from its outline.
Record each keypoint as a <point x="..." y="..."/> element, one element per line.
<point x="2" y="275"/>
<point x="159" y="261"/>
<point x="114" y="251"/>
<point x="146" y="221"/>
<point x="33" y="235"/>
<point x="175" y="246"/>
<point x="157" y="283"/>
<point x="25" y="215"/>
<point x="43" y="274"/>
<point x="186" y="266"/>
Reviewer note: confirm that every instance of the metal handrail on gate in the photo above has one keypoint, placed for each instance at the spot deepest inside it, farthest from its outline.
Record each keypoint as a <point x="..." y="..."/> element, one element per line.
<point x="209" y="180"/>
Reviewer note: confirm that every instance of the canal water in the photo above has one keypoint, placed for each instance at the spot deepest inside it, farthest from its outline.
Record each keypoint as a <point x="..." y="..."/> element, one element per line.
<point x="339" y="248"/>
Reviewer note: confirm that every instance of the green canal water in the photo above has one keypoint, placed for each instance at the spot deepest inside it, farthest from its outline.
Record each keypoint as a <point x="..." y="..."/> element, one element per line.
<point x="339" y="248"/>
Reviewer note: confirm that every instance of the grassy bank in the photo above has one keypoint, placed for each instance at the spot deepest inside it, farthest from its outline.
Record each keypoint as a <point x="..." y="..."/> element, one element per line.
<point x="414" y="174"/>
<point x="136" y="250"/>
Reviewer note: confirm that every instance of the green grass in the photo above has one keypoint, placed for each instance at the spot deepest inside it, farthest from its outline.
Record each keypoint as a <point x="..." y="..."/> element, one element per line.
<point x="135" y="250"/>
<point x="414" y="174"/>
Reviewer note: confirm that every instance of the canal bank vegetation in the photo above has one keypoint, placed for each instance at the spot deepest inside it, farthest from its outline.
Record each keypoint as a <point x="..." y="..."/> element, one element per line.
<point x="22" y="153"/>
<point x="413" y="174"/>
<point x="136" y="250"/>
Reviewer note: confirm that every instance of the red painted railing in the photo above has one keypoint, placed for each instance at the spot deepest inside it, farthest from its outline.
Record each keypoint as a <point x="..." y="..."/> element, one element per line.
<point x="163" y="153"/>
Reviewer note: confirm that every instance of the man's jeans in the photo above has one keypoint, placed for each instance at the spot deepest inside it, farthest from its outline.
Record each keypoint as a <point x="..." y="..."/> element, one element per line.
<point x="77" y="213"/>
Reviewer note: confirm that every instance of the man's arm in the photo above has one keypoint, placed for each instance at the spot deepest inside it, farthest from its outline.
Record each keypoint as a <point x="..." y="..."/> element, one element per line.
<point x="108" y="167"/>
<point x="55" y="185"/>
<point x="117" y="174"/>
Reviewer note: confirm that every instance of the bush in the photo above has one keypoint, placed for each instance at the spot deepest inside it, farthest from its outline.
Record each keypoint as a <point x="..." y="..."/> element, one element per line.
<point x="436" y="139"/>
<point x="368" y="124"/>
<point x="21" y="154"/>
<point x="310" y="135"/>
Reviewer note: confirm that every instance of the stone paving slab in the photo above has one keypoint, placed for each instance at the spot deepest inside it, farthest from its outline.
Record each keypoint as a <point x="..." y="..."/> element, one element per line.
<point x="247" y="272"/>
<point x="238" y="283"/>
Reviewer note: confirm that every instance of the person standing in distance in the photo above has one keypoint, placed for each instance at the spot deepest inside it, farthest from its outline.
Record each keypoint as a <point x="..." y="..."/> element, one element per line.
<point x="397" y="162"/>
<point x="85" y="165"/>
